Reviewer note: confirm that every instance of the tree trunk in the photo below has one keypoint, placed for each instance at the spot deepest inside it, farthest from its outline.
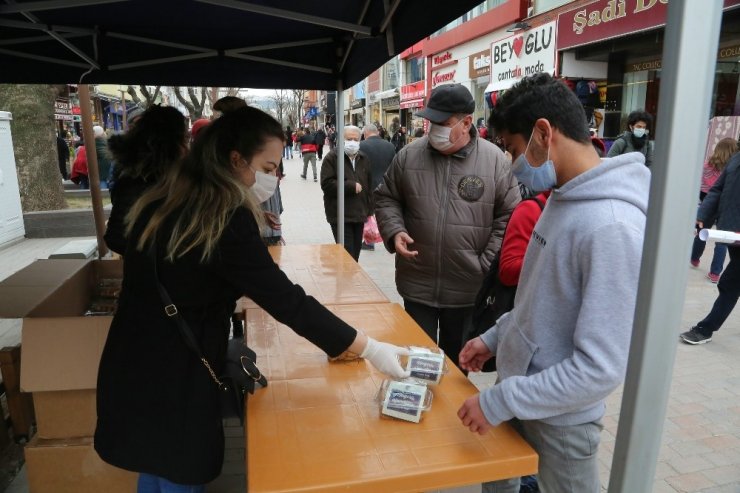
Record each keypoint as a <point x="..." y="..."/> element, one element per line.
<point x="34" y="144"/>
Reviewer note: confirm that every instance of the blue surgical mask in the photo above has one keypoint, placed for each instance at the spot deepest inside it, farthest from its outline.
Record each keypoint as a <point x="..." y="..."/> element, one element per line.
<point x="536" y="179"/>
<point x="639" y="132"/>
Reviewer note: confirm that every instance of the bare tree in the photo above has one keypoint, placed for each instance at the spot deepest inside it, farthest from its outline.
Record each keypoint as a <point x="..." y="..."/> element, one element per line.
<point x="196" y="104"/>
<point x="281" y="99"/>
<point x="295" y="105"/>
<point x="214" y="94"/>
<point x="34" y="144"/>
<point x="150" y="98"/>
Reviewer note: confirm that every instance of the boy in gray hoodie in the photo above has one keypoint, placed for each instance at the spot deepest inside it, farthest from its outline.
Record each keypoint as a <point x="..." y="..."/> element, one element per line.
<point x="563" y="348"/>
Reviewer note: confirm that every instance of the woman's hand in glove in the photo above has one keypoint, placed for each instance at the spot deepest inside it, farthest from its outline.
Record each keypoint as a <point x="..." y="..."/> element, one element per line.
<point x="384" y="357"/>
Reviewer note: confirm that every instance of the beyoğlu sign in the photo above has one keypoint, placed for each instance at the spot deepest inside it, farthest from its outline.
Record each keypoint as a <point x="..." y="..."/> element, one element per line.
<point x="522" y="54"/>
<point x="606" y="19"/>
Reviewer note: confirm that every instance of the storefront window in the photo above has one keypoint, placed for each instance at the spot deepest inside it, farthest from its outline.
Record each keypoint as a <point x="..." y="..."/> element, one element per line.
<point x="390" y="74"/>
<point x="414" y="70"/>
<point x="725" y="98"/>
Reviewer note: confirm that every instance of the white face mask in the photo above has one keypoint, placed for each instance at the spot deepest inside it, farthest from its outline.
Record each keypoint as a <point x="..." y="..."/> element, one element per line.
<point x="351" y="147"/>
<point x="639" y="132"/>
<point x="264" y="186"/>
<point x="439" y="136"/>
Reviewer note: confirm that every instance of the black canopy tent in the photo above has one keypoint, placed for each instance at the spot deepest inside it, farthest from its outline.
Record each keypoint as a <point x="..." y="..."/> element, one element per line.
<point x="288" y="44"/>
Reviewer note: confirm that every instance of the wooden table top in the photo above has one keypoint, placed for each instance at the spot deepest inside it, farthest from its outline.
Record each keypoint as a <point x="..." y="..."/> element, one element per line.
<point x="317" y="427"/>
<point x="326" y="272"/>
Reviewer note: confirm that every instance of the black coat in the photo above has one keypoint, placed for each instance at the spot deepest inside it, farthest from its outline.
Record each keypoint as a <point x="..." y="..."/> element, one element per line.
<point x="723" y="199"/>
<point x="357" y="207"/>
<point x="381" y="153"/>
<point x="158" y="409"/>
<point x="123" y="195"/>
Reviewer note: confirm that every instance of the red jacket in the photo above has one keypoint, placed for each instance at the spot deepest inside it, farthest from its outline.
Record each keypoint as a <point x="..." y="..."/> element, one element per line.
<point x="79" y="168"/>
<point x="518" y="231"/>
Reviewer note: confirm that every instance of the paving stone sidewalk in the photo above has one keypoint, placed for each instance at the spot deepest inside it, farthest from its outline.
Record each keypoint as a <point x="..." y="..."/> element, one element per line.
<point x="701" y="440"/>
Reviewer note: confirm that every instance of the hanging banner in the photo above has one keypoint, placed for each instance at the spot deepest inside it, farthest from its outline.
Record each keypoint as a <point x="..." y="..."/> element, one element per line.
<point x="522" y="54"/>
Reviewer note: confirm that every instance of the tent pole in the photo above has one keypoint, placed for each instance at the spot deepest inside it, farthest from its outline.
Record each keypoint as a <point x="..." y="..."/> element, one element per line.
<point x="92" y="167"/>
<point x="340" y="163"/>
<point x="691" y="33"/>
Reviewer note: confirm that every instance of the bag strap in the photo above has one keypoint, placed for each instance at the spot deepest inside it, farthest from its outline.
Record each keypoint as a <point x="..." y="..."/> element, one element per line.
<point x="172" y="312"/>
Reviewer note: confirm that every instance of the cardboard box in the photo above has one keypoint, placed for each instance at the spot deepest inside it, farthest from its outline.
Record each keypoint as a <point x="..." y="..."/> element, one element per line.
<point x="61" y="349"/>
<point x="73" y="466"/>
<point x="24" y="290"/>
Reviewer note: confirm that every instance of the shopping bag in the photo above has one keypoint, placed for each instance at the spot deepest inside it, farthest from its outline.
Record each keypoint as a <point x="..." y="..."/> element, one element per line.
<point x="370" y="232"/>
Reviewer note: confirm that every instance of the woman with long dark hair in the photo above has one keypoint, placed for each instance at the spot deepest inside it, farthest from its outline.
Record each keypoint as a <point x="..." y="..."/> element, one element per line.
<point x="157" y="142"/>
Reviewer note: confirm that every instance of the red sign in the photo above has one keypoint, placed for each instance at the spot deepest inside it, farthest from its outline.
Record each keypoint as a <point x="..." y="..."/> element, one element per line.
<point x="413" y="91"/>
<point x="441" y="59"/>
<point x="443" y="78"/>
<point x="606" y="19"/>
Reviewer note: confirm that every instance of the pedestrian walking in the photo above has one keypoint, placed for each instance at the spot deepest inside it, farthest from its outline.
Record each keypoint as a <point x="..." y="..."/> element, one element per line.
<point x="636" y="138"/>
<point x="63" y="156"/>
<point x="442" y="209"/>
<point x="399" y="138"/>
<point x="563" y="348"/>
<point x="288" y="152"/>
<point x="358" y="200"/>
<point x="308" y="150"/>
<point x="104" y="159"/>
<point x="721" y="202"/>
<point x="320" y="139"/>
<point x="79" y="167"/>
<point x="711" y="170"/>
<point x="158" y="407"/>
<point x="380" y="153"/>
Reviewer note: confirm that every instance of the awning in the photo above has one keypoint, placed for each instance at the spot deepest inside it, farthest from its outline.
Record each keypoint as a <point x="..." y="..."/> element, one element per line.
<point x="413" y="103"/>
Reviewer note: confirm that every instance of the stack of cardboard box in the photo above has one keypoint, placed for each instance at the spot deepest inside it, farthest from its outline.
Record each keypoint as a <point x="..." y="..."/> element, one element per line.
<point x="61" y="351"/>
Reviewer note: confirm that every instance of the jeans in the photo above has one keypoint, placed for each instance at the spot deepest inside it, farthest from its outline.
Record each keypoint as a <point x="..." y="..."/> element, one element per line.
<point x="288" y="152"/>
<point x="568" y="458"/>
<point x="718" y="259"/>
<point x="309" y="156"/>
<point x="729" y="291"/>
<point x="352" y="238"/>
<point x="446" y="326"/>
<point x="154" y="484"/>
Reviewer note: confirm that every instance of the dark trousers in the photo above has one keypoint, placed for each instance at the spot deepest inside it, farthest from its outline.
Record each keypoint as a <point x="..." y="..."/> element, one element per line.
<point x="450" y="322"/>
<point x="718" y="259"/>
<point x="320" y="151"/>
<point x="729" y="291"/>
<point x="352" y="238"/>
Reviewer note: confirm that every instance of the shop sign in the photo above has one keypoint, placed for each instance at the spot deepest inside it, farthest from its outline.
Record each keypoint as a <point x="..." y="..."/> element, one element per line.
<point x="416" y="103"/>
<point x="413" y="91"/>
<point x="606" y="19"/>
<point x="357" y="103"/>
<point x="657" y="64"/>
<point x="442" y="59"/>
<point x="63" y="110"/>
<point x="443" y="78"/>
<point x="390" y="102"/>
<point x="520" y="55"/>
<point x="479" y="64"/>
<point x="729" y="52"/>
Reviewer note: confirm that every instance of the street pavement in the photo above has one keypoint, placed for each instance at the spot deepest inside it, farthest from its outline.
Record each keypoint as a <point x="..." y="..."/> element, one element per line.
<point x="700" y="449"/>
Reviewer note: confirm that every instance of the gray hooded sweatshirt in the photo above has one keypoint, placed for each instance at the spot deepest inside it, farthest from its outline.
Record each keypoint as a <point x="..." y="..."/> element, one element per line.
<point x="563" y="348"/>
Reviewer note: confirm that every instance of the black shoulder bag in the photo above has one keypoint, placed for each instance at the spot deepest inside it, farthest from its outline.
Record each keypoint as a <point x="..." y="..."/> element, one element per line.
<point x="240" y="371"/>
<point x="493" y="300"/>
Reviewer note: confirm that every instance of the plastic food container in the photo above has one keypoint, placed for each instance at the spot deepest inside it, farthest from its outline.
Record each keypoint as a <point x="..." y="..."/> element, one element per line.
<point x="404" y="400"/>
<point x="427" y="365"/>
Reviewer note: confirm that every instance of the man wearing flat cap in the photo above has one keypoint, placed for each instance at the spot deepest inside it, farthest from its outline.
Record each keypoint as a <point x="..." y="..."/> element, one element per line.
<point x="442" y="208"/>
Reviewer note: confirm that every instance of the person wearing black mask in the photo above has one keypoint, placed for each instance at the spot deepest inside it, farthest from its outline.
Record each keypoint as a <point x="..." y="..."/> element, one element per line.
<point x="636" y="138"/>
